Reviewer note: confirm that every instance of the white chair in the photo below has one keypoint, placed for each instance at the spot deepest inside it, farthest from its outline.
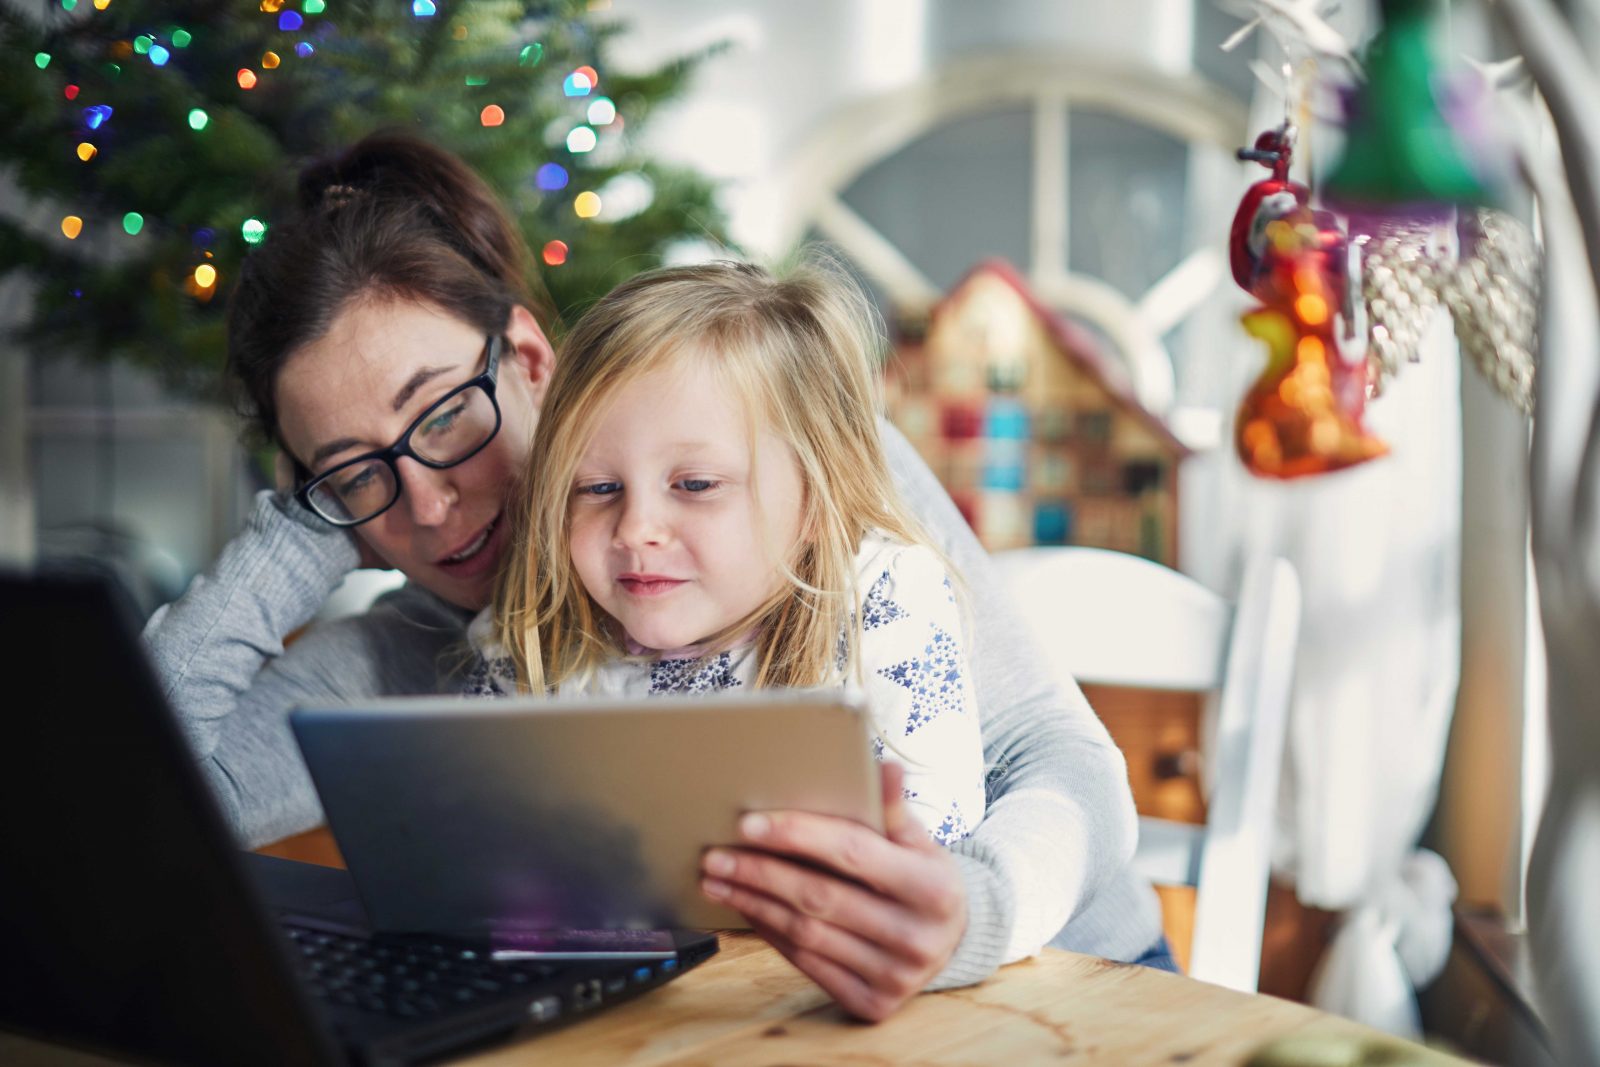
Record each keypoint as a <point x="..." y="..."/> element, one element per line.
<point x="1107" y="618"/>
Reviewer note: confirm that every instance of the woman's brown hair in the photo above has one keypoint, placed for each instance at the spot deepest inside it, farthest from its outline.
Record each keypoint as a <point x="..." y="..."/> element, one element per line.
<point x="392" y="216"/>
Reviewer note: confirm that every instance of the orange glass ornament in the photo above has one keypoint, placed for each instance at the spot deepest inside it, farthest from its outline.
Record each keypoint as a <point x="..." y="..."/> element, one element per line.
<point x="1303" y="415"/>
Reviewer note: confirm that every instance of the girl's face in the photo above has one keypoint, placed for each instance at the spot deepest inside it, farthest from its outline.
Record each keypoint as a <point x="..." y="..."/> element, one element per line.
<point x="357" y="388"/>
<point x="676" y="530"/>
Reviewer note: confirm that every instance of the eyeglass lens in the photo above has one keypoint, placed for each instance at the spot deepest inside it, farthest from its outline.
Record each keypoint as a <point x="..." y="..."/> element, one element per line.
<point x="446" y="435"/>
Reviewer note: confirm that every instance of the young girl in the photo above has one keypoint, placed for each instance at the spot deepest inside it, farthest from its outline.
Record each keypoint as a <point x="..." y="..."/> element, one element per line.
<point x="710" y="508"/>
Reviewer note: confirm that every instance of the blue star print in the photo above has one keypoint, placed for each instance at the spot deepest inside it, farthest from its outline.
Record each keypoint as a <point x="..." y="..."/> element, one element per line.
<point x="878" y="610"/>
<point x="934" y="678"/>
<point x="953" y="827"/>
<point x="692" y="675"/>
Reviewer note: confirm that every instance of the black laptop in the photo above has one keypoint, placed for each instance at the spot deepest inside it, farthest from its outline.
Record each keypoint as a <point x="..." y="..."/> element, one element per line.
<point x="130" y="923"/>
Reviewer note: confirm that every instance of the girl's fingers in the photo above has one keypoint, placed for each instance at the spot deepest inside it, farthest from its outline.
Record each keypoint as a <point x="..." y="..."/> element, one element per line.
<point x="869" y="962"/>
<point x="908" y="934"/>
<point x="847" y="988"/>
<point x="897" y="870"/>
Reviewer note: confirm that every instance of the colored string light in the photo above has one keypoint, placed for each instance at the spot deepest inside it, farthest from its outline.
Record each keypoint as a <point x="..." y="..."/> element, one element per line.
<point x="121" y="49"/>
<point x="588" y="72"/>
<point x="554" y="253"/>
<point x="424" y="9"/>
<point x="587" y="205"/>
<point x="270" y="60"/>
<point x="493" y="115"/>
<point x="205" y="276"/>
<point x="68" y="5"/>
<point x="303" y="49"/>
<point x="550" y="177"/>
<point x="198" y="118"/>
<point x="112" y="70"/>
<point x="87" y="151"/>
<point x="477" y="79"/>
<point x="271" y="7"/>
<point x="181" y="38"/>
<point x="531" y="54"/>
<point x="247" y="78"/>
<point x="70" y="92"/>
<point x="313" y="7"/>
<point x="459" y="31"/>
<point x="101" y="5"/>
<point x="253" y="231"/>
<point x="141" y="44"/>
<point x="290" y="21"/>
<point x="602" y="111"/>
<point x="576" y="84"/>
<point x="581" y="139"/>
<point x="132" y="223"/>
<point x="159" y="55"/>
<point x="71" y="226"/>
<point x="96" y="115"/>
<point x="41" y="59"/>
<point x="204" y="236"/>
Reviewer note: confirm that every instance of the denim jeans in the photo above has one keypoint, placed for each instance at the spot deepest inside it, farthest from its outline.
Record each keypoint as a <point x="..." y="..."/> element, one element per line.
<point x="1159" y="957"/>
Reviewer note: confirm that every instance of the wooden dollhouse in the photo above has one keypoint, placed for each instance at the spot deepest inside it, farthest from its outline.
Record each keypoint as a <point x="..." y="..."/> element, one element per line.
<point x="1035" y="433"/>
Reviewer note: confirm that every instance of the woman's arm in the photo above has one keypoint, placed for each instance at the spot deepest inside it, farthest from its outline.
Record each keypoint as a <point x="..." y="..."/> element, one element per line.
<point x="219" y="653"/>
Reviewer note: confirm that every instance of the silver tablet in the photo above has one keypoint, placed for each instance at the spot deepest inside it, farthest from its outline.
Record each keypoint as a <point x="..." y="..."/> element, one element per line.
<point x="488" y="817"/>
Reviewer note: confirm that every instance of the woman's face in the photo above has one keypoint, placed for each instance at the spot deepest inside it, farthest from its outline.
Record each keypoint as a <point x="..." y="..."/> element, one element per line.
<point x="356" y="389"/>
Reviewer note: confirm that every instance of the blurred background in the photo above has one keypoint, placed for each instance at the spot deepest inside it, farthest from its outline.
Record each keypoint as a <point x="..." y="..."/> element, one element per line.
<point x="1046" y="186"/>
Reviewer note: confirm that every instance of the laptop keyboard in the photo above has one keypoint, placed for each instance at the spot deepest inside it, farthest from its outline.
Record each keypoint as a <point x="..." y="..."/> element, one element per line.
<point x="414" y="980"/>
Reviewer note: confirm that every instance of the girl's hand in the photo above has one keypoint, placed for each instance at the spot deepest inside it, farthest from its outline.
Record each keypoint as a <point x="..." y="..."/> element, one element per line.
<point x="871" y="919"/>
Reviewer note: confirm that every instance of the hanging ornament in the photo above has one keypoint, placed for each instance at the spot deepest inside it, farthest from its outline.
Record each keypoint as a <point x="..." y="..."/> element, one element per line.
<point x="1493" y="297"/>
<point x="1416" y="193"/>
<point x="1303" y="415"/>
<point x="1264" y="202"/>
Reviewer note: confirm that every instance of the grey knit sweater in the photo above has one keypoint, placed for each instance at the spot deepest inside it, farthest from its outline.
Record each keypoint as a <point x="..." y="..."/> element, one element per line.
<point x="1048" y="864"/>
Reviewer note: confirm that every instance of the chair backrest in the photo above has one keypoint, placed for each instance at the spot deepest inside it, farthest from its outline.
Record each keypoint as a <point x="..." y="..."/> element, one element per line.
<point x="1108" y="618"/>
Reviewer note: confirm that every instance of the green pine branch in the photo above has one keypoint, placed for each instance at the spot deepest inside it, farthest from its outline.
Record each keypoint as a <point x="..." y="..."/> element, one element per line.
<point x="112" y="293"/>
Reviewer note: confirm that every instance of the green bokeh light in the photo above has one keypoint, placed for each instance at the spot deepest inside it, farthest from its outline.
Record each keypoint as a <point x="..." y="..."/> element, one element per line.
<point x="198" y="118"/>
<point x="132" y="223"/>
<point x="253" y="231"/>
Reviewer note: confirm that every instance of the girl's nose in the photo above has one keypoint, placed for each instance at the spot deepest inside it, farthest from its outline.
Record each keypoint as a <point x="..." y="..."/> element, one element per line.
<point x="641" y="522"/>
<point x="428" y="494"/>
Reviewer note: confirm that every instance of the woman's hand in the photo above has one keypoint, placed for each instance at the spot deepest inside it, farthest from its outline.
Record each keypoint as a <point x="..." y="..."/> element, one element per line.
<point x="871" y="919"/>
<point x="283" y="476"/>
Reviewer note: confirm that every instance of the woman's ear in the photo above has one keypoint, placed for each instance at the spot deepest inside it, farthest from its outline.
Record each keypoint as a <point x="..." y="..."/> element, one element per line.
<point x="530" y="352"/>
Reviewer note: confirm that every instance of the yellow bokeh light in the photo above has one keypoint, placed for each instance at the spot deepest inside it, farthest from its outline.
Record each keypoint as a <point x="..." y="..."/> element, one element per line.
<point x="71" y="226"/>
<point x="587" y="205"/>
<point x="270" y="60"/>
<point x="87" y="151"/>
<point x="205" y="276"/>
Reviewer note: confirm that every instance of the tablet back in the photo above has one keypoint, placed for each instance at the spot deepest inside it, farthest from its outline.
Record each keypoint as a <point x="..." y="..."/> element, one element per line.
<point x="474" y="816"/>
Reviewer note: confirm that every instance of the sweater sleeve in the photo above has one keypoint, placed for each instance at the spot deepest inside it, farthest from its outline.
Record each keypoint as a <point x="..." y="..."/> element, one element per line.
<point x="219" y="653"/>
<point x="1060" y="822"/>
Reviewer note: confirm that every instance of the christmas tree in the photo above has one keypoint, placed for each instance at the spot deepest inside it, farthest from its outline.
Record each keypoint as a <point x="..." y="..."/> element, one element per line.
<point x="166" y="137"/>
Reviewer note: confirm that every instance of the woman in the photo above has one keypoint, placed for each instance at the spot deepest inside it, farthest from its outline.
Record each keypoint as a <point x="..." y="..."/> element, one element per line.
<point x="360" y="325"/>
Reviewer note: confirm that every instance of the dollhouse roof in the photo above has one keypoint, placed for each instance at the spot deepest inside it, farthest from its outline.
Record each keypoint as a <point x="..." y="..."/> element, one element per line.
<point x="1075" y="344"/>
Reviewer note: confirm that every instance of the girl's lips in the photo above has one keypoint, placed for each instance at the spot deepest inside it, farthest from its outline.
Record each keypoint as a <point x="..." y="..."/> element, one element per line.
<point x="649" y="585"/>
<point x="484" y="559"/>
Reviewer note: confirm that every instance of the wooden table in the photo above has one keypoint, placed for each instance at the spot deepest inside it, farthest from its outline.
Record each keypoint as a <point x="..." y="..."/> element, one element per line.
<point x="747" y="1005"/>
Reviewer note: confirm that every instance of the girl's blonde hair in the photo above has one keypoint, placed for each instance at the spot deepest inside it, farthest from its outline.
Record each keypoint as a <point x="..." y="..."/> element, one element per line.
<point x="801" y="348"/>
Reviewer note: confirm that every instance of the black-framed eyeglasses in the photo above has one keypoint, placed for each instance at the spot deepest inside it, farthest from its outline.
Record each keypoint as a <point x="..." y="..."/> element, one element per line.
<point x="453" y="430"/>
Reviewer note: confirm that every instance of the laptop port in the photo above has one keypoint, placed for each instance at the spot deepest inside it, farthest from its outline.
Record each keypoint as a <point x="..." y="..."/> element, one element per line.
<point x="586" y="994"/>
